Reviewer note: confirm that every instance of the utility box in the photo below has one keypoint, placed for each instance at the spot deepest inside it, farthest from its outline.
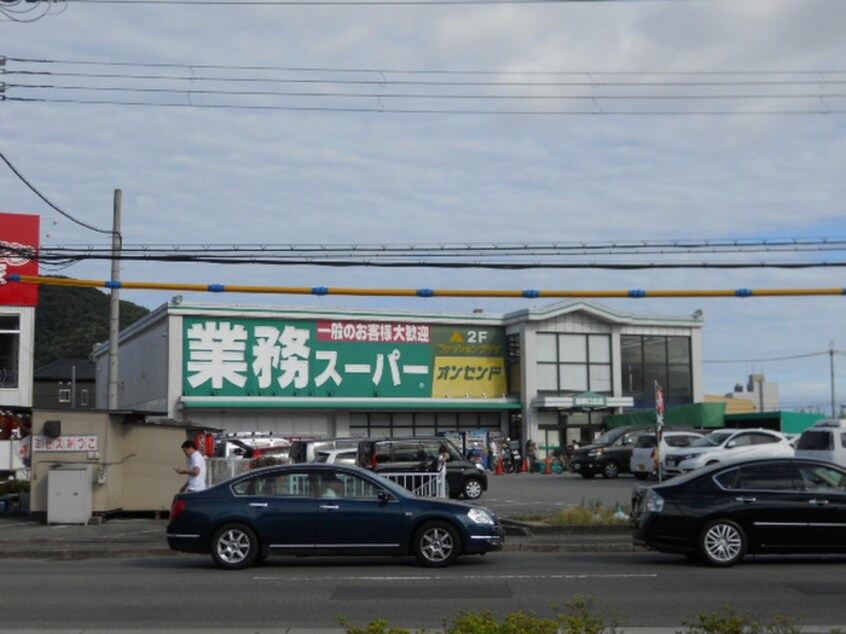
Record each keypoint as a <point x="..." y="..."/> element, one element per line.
<point x="69" y="494"/>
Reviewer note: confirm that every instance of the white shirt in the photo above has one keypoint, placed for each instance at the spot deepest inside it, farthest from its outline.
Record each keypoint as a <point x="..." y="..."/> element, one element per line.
<point x="197" y="482"/>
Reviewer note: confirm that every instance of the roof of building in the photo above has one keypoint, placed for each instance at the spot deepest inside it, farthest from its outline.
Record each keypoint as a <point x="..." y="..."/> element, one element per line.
<point x="63" y="370"/>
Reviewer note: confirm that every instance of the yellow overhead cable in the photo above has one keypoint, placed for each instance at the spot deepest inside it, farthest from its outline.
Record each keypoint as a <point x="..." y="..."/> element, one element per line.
<point x="421" y="292"/>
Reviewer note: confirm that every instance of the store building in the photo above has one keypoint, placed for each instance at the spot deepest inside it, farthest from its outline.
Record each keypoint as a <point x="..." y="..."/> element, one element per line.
<point x="550" y="373"/>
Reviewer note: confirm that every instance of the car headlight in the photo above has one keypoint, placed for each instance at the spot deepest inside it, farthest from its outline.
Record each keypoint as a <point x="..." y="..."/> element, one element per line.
<point x="480" y="516"/>
<point x="688" y="456"/>
<point x="479" y="467"/>
<point x="653" y="502"/>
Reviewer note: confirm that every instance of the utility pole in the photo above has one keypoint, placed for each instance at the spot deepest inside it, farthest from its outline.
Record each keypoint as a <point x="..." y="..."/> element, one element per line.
<point x="114" y="315"/>
<point x="831" y="367"/>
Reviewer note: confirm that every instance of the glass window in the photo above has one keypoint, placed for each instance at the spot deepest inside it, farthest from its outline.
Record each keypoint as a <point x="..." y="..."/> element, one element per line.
<point x="655" y="350"/>
<point x="821" y="478"/>
<point x="64" y="396"/>
<point x="546" y="348"/>
<point x="274" y="485"/>
<point x="572" y="349"/>
<point x="728" y="479"/>
<point x="573" y="378"/>
<point x="815" y="440"/>
<point x="599" y="348"/>
<point x="763" y="439"/>
<point x="346" y="485"/>
<point x="9" y="349"/>
<point x="769" y="477"/>
<point x="743" y="440"/>
<point x="678" y="350"/>
<point x="83" y="398"/>
<point x="547" y="379"/>
<point x="600" y="378"/>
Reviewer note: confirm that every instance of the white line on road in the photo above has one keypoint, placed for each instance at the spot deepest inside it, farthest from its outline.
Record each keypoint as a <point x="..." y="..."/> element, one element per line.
<point x="460" y="577"/>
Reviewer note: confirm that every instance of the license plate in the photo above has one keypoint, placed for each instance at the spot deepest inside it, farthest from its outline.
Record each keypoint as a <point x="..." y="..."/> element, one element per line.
<point x="576" y="467"/>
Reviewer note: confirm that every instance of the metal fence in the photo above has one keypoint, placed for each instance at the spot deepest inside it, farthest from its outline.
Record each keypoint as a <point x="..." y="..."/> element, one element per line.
<point x="423" y="484"/>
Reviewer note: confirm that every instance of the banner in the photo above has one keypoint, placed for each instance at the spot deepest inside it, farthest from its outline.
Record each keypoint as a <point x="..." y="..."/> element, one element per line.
<point x="19" y="244"/>
<point x="267" y="357"/>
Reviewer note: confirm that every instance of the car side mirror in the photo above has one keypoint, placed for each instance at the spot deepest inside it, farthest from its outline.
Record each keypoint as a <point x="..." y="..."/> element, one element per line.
<point x="384" y="496"/>
<point x="731" y="444"/>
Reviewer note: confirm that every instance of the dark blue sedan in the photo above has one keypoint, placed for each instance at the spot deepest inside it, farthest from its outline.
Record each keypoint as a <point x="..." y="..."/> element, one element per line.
<point x="324" y="509"/>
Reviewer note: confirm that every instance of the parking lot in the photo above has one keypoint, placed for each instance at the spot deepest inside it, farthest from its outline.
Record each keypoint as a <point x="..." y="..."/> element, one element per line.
<point x="529" y="493"/>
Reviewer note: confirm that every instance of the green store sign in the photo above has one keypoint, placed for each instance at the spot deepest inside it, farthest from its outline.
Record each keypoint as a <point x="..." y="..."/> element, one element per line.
<point x="266" y="357"/>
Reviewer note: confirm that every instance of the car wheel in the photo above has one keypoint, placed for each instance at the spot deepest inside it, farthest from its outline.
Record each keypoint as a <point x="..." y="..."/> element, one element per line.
<point x="234" y="546"/>
<point x="436" y="544"/>
<point x="473" y="489"/>
<point x="722" y="543"/>
<point x="610" y="470"/>
<point x="640" y="476"/>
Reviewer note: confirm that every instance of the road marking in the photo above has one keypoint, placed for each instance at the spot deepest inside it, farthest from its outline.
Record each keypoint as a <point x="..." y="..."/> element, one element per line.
<point x="612" y="575"/>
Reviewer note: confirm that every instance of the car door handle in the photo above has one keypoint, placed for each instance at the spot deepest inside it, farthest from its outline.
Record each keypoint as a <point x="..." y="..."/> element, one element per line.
<point x="745" y="500"/>
<point x="817" y="502"/>
<point x="259" y="505"/>
<point x="330" y="507"/>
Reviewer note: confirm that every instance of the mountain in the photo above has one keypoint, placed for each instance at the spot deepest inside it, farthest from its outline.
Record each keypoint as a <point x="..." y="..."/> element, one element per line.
<point x="70" y="320"/>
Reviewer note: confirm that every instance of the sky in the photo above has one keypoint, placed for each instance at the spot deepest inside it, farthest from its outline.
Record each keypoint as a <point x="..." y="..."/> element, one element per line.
<point x="755" y="159"/>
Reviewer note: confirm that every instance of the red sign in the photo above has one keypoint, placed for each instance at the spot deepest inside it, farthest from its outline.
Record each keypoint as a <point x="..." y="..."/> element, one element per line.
<point x="19" y="244"/>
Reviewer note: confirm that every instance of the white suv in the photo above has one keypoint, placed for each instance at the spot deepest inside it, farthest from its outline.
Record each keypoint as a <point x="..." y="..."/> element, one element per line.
<point x="728" y="445"/>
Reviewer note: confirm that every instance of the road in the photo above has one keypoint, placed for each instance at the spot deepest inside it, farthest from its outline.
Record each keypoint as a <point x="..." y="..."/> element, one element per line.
<point x="638" y="589"/>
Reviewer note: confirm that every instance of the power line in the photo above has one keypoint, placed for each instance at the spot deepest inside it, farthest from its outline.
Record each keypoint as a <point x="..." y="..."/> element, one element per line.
<point x="414" y="91"/>
<point x="772" y="359"/>
<point x="44" y="198"/>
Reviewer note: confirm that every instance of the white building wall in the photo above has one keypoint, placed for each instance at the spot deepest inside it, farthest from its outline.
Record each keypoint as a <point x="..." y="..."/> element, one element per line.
<point x="21" y="396"/>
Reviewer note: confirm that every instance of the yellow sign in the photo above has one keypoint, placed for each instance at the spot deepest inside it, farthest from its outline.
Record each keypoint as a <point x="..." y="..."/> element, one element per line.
<point x="469" y="377"/>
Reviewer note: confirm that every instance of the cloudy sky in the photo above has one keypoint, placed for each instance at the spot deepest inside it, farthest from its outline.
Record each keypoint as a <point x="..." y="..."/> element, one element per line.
<point x="460" y="123"/>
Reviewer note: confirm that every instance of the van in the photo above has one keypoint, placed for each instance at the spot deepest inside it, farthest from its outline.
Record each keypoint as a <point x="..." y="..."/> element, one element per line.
<point x="420" y="454"/>
<point x="308" y="450"/>
<point x="826" y="440"/>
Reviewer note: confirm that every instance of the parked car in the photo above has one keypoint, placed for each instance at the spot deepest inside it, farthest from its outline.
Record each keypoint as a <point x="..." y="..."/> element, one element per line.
<point x="420" y="454"/>
<point x="336" y="456"/>
<point x="288" y="510"/>
<point x="610" y="454"/>
<point x="644" y="460"/>
<point x="307" y="449"/>
<point x="726" y="445"/>
<point x="721" y="513"/>
<point x="826" y="440"/>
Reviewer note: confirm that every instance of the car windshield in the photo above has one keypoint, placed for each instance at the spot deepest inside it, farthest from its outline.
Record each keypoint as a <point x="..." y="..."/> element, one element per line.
<point x="714" y="439"/>
<point x="609" y="437"/>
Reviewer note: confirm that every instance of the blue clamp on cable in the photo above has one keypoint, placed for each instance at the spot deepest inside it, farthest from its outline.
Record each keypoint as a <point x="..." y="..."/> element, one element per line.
<point x="320" y="290"/>
<point x="531" y="293"/>
<point x="425" y="292"/>
<point x="637" y="293"/>
<point x="217" y="288"/>
<point x="744" y="292"/>
<point x="16" y="277"/>
<point x="113" y="284"/>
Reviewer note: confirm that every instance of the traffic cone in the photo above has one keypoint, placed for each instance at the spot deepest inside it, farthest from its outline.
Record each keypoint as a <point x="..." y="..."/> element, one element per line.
<point x="548" y="468"/>
<point x="525" y="466"/>
<point x="499" y="469"/>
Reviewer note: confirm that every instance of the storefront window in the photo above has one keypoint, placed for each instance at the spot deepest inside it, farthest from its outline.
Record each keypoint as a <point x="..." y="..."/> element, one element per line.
<point x="573" y="363"/>
<point x="10" y="333"/>
<point x="647" y="359"/>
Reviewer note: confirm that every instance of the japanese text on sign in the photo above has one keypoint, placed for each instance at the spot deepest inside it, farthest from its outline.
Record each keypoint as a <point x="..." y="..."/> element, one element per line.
<point x="83" y="442"/>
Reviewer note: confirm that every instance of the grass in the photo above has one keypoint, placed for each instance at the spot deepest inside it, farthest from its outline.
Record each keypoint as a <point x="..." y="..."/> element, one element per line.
<point x="588" y="513"/>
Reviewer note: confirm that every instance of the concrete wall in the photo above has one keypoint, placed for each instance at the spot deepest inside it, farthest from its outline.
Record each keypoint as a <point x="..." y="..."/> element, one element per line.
<point x="131" y="469"/>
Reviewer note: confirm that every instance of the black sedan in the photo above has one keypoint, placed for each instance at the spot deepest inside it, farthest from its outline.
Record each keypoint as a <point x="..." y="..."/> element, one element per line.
<point x="325" y="509"/>
<point x="723" y="512"/>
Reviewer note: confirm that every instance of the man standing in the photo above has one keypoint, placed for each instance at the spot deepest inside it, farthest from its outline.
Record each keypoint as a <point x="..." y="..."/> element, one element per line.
<point x="196" y="470"/>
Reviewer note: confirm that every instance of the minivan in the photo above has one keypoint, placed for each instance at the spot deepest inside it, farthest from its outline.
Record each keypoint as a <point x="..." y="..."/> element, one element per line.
<point x="420" y="454"/>
<point x="826" y="440"/>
